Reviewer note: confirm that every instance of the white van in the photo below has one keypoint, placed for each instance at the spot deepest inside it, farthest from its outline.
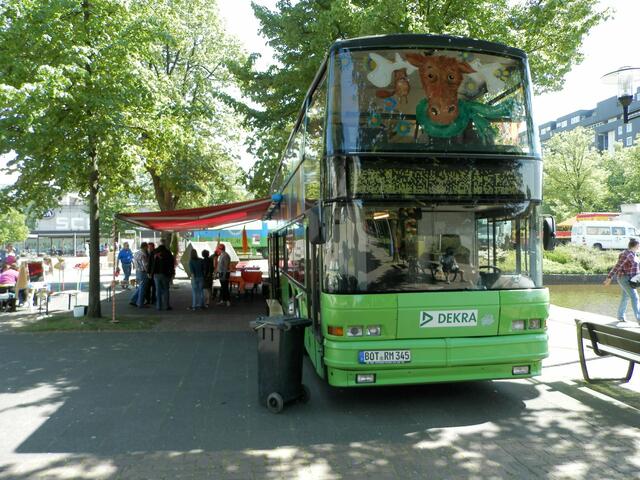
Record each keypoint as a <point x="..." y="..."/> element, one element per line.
<point x="603" y="234"/>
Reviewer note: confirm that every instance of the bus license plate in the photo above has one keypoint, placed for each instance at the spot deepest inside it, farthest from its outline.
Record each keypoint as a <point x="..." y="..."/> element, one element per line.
<point x="384" y="356"/>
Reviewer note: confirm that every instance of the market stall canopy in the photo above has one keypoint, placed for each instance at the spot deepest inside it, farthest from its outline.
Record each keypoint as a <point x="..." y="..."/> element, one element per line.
<point x="200" y="218"/>
<point x="568" y="222"/>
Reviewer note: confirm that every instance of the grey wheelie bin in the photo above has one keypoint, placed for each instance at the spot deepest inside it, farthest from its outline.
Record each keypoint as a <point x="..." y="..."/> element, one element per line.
<point x="280" y="349"/>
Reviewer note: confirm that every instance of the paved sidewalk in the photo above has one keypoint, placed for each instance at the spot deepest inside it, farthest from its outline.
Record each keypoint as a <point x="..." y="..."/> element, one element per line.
<point x="181" y="402"/>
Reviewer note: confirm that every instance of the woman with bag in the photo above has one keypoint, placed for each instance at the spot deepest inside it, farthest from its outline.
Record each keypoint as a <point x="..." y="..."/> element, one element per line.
<point x="625" y="270"/>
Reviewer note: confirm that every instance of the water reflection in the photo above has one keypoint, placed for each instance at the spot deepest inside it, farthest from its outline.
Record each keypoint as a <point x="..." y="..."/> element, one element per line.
<point x="589" y="298"/>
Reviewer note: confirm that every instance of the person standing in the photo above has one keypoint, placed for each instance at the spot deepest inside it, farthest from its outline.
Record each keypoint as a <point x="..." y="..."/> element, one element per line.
<point x="141" y="261"/>
<point x="150" y="292"/>
<point x="625" y="269"/>
<point x="207" y="267"/>
<point x="163" y="270"/>
<point x="196" y="268"/>
<point x="22" y="285"/>
<point x="11" y="256"/>
<point x="223" y="273"/>
<point x="125" y="257"/>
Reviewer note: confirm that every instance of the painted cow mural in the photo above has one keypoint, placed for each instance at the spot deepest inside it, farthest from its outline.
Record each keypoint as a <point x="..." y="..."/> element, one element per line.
<point x="440" y="77"/>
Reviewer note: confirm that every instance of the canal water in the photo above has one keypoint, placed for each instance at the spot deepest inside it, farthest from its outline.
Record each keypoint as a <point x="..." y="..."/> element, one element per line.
<point x="589" y="298"/>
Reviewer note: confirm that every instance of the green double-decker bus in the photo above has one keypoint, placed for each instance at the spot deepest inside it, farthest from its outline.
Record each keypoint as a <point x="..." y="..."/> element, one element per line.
<point x="407" y="206"/>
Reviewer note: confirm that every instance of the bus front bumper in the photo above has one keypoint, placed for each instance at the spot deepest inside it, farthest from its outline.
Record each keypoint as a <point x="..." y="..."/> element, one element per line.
<point x="436" y="360"/>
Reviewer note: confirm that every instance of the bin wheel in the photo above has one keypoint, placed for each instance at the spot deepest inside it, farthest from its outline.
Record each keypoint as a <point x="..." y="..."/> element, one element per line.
<point x="305" y="396"/>
<point x="275" y="403"/>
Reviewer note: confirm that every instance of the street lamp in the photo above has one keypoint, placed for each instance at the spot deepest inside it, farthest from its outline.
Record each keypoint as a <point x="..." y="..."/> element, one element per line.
<point x="624" y="78"/>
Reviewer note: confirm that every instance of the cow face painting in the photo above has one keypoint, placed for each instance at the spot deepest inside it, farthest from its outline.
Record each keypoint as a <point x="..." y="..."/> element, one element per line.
<point x="440" y="77"/>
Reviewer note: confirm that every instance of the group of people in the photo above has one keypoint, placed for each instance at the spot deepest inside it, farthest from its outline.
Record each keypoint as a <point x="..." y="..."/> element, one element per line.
<point x="155" y="268"/>
<point x="203" y="271"/>
<point x="15" y="278"/>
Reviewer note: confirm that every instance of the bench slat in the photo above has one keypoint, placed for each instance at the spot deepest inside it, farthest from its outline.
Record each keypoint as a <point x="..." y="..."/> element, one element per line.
<point x="618" y="341"/>
<point x="620" y="353"/>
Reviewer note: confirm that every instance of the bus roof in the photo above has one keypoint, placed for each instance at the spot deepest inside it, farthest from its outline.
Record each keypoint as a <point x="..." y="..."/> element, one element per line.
<point x="412" y="40"/>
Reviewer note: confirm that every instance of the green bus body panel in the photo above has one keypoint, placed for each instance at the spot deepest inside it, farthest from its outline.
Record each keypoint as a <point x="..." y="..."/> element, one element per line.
<point x="442" y="352"/>
<point x="439" y="360"/>
<point x="374" y="309"/>
<point x="484" y="305"/>
<point x="486" y="350"/>
<point x="522" y="305"/>
<point x="347" y="378"/>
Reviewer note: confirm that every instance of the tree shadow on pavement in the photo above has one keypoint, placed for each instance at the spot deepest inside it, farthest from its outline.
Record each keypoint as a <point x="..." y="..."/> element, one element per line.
<point x="184" y="404"/>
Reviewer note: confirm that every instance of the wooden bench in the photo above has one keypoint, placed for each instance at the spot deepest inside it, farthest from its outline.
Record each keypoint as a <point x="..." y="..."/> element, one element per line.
<point x="608" y="340"/>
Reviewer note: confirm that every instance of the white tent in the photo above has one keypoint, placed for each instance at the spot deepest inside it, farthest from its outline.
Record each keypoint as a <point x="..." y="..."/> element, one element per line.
<point x="211" y="246"/>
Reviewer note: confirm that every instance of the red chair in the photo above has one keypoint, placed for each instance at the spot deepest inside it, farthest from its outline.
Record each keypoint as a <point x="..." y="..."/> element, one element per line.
<point x="36" y="271"/>
<point x="252" y="278"/>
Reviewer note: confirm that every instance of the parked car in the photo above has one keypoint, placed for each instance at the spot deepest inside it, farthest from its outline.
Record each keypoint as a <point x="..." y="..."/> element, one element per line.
<point x="603" y="234"/>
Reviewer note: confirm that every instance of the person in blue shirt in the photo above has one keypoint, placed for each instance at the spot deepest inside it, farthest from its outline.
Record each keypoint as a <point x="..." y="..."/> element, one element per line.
<point x="125" y="257"/>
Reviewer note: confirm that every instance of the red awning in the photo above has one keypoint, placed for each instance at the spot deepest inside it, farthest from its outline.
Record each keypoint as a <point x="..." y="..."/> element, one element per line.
<point x="199" y="218"/>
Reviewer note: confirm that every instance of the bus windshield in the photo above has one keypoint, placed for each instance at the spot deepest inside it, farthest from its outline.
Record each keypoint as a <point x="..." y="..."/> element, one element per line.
<point x="378" y="248"/>
<point x="418" y="100"/>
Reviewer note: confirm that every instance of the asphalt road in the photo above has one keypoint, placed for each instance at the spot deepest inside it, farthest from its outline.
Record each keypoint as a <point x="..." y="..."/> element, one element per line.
<point x="183" y="404"/>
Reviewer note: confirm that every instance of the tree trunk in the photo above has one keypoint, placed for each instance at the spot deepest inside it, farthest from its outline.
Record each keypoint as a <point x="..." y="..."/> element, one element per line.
<point x="94" y="210"/>
<point x="166" y="201"/>
<point x="94" y="241"/>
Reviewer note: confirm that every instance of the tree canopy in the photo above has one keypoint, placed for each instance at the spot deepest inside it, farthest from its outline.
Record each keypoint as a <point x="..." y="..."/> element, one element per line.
<point x="574" y="174"/>
<point x="96" y="94"/>
<point x="188" y="136"/>
<point x="13" y="226"/>
<point x="300" y="32"/>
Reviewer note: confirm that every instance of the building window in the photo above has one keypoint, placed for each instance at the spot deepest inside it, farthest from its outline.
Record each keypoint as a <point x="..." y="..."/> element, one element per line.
<point x="629" y="128"/>
<point x="562" y="124"/>
<point x="603" y="142"/>
<point x="575" y="119"/>
<point x="620" y="130"/>
<point x="629" y="141"/>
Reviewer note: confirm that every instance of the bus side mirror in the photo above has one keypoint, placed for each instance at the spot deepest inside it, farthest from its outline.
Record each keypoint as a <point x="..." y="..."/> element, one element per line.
<point x="549" y="233"/>
<point x="316" y="229"/>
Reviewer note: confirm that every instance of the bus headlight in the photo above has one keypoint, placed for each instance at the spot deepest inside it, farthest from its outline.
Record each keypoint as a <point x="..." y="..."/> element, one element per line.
<point x="535" y="323"/>
<point x="374" y="330"/>
<point x="517" y="325"/>
<point x="354" y="331"/>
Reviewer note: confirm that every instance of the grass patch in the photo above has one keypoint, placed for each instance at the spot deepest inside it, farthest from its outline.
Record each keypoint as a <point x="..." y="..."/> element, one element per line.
<point x="68" y="323"/>
<point x="567" y="259"/>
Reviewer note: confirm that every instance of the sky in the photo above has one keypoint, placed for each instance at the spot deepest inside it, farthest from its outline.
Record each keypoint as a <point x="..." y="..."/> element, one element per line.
<point x="608" y="47"/>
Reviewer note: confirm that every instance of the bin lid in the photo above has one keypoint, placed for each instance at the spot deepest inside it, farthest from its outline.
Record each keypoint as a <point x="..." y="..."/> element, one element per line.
<point x="283" y="322"/>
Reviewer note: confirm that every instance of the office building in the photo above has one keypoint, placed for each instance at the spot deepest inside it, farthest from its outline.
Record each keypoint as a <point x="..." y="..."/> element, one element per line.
<point x="605" y="120"/>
